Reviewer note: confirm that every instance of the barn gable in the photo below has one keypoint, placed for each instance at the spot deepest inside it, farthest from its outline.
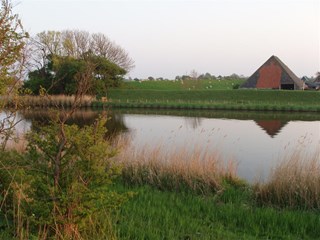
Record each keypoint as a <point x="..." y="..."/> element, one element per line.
<point x="273" y="74"/>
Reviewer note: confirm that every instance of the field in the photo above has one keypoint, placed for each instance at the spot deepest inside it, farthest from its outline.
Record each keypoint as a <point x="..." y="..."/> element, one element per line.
<point x="205" y="94"/>
<point x="183" y="85"/>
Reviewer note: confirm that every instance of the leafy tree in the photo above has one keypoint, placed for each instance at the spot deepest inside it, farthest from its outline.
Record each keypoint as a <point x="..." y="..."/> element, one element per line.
<point x="60" y="75"/>
<point x="65" y="199"/>
<point x="12" y="39"/>
<point x="57" y="189"/>
<point x="12" y="42"/>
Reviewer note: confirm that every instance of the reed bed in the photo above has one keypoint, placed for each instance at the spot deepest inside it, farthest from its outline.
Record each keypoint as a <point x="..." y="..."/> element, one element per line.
<point x="55" y="101"/>
<point x="179" y="170"/>
<point x="294" y="183"/>
<point x="19" y="144"/>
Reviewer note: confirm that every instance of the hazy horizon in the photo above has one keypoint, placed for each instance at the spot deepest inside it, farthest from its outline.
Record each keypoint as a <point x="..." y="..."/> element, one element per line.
<point x="170" y="38"/>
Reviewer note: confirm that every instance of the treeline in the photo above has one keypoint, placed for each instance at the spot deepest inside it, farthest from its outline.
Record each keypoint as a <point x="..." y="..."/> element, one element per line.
<point x="193" y="76"/>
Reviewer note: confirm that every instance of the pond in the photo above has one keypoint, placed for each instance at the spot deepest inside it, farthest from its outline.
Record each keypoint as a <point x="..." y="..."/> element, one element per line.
<point x="256" y="141"/>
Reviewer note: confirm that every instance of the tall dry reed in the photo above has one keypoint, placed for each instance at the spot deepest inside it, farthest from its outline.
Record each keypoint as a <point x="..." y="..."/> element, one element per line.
<point x="294" y="183"/>
<point x="55" y="101"/>
<point x="179" y="170"/>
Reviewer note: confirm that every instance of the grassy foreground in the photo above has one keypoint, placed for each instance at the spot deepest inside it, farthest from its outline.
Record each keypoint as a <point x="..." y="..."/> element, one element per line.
<point x="155" y="214"/>
<point x="265" y="100"/>
<point x="183" y="195"/>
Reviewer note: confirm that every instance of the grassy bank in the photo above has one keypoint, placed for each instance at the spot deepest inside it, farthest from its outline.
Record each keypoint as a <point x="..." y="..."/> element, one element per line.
<point x="265" y="100"/>
<point x="187" y="195"/>
<point x="294" y="183"/>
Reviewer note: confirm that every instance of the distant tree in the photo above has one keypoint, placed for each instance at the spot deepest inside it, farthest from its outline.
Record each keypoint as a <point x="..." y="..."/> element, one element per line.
<point x="74" y="43"/>
<point x="185" y="77"/>
<point x="194" y="75"/>
<point x="234" y="76"/>
<point x="177" y="78"/>
<point x="208" y="76"/>
<point x="201" y="77"/>
<point x="136" y="79"/>
<point x="317" y="79"/>
<point x="160" y="79"/>
<point x="150" y="78"/>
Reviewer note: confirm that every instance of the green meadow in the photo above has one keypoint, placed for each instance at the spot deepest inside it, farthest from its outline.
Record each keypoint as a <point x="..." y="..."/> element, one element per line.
<point x="204" y="94"/>
<point x="183" y="85"/>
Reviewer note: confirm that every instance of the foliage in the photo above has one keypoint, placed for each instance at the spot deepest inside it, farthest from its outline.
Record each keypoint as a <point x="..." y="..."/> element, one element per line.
<point x="75" y="204"/>
<point x="12" y="42"/>
<point x="12" y="39"/>
<point x="57" y="187"/>
<point x="60" y="75"/>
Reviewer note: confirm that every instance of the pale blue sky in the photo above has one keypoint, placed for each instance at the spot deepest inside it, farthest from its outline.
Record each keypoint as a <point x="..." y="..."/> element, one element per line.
<point x="171" y="37"/>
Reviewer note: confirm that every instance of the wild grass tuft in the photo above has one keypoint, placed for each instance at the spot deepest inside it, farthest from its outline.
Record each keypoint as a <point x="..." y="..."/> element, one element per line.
<point x="179" y="170"/>
<point x="294" y="183"/>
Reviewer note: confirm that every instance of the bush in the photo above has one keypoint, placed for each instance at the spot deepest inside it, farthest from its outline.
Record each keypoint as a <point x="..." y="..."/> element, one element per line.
<point x="59" y="187"/>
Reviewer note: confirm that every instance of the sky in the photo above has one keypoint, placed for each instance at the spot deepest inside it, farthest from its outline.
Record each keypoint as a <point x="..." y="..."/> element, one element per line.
<point x="167" y="38"/>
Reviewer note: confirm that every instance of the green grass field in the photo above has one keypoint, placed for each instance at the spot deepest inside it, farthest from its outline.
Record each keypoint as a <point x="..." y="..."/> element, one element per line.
<point x="155" y="214"/>
<point x="183" y="85"/>
<point x="205" y="94"/>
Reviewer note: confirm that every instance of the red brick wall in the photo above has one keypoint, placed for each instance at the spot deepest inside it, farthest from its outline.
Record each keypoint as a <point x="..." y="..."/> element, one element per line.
<point x="269" y="76"/>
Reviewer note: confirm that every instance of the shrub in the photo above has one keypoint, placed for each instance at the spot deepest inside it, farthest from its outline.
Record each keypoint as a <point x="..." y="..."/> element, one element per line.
<point x="59" y="187"/>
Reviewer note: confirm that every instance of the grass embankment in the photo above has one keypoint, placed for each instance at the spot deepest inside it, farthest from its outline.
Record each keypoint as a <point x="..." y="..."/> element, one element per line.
<point x="265" y="100"/>
<point x="189" y="195"/>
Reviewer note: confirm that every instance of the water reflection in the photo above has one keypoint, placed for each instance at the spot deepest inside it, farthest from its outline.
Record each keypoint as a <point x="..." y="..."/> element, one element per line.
<point x="255" y="140"/>
<point x="40" y="117"/>
<point x="272" y="127"/>
<point x="242" y="140"/>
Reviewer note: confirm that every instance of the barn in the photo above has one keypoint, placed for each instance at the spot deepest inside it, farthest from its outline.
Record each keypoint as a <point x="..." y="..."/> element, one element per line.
<point x="274" y="74"/>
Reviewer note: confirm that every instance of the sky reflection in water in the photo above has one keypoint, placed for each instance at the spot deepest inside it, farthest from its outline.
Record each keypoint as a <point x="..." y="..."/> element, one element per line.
<point x="256" y="145"/>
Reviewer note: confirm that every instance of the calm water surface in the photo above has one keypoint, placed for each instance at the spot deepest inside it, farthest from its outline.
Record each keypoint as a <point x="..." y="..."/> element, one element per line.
<point x="256" y="141"/>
